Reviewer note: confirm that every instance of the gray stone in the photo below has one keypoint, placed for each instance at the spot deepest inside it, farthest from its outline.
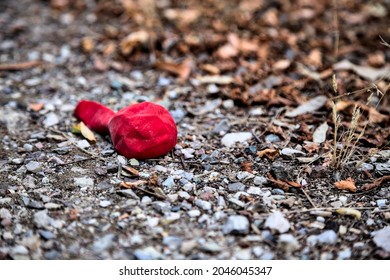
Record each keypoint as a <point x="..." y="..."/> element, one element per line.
<point x="382" y="169"/>
<point x="41" y="219"/>
<point x="51" y="205"/>
<point x="128" y="193"/>
<point x="83" y="144"/>
<point x="51" y="119"/>
<point x="276" y="221"/>
<point x="290" y="153"/>
<point x="5" y="213"/>
<point x="148" y="253"/>
<point x="169" y="182"/>
<point x="231" y="139"/>
<point x="104" y="203"/>
<point x="381" y="203"/>
<point x="382" y="238"/>
<point x="178" y="115"/>
<point x="319" y="135"/>
<point x="326" y="237"/>
<point x="222" y="127"/>
<point x="259" y="180"/>
<point x="236" y="224"/>
<point x="173" y="242"/>
<point x="103" y="243"/>
<point x="205" y="205"/>
<point x="193" y="213"/>
<point x="28" y="147"/>
<point x="84" y="182"/>
<point x="34" y="166"/>
<point x="47" y="234"/>
<point x="211" y="247"/>
<point x="235" y="187"/>
<point x="344" y="254"/>
<point x="288" y="242"/>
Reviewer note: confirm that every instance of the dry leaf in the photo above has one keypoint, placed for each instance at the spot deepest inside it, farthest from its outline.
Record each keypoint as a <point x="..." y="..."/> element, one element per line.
<point x="20" y="65"/>
<point x="87" y="133"/>
<point x="128" y="43"/>
<point x="131" y="170"/>
<point x="36" y="106"/>
<point x="210" y="69"/>
<point x="365" y="72"/>
<point x="227" y="51"/>
<point x="348" y="185"/>
<point x="87" y="44"/>
<point x="271" y="154"/>
<point x="349" y="212"/>
<point x="377" y="183"/>
<point x="182" y="70"/>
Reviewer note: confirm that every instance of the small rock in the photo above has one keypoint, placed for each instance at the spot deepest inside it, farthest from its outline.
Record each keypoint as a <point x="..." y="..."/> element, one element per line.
<point x="83" y="144"/>
<point x="382" y="238"/>
<point x="236" y="187"/>
<point x="254" y="190"/>
<point x="236" y="224"/>
<point x="277" y="191"/>
<point x="228" y="104"/>
<point x="288" y="242"/>
<point x="128" y="193"/>
<point x="188" y="153"/>
<point x="46" y="234"/>
<point x="272" y="138"/>
<point x="41" y="219"/>
<point x="173" y="242"/>
<point x="212" y="89"/>
<point x="51" y="119"/>
<point x="84" y="182"/>
<point x="278" y="222"/>
<point x="327" y="237"/>
<point x="19" y="250"/>
<point x="104" y="185"/>
<point x="290" y="153"/>
<point x="103" y="243"/>
<point x="161" y="206"/>
<point x="336" y="204"/>
<point x="243" y="254"/>
<point x="51" y="205"/>
<point x="244" y="175"/>
<point x="211" y="247"/>
<point x="5" y="213"/>
<point x="344" y="254"/>
<point x="188" y="246"/>
<point x="193" y="213"/>
<point x="382" y="169"/>
<point x="134" y="162"/>
<point x="104" y="203"/>
<point x="222" y="127"/>
<point x="178" y="115"/>
<point x="34" y="166"/>
<point x="259" y="180"/>
<point x="381" y="203"/>
<point x="171" y="216"/>
<point x="148" y="253"/>
<point x="231" y="138"/>
<point x="28" y="147"/>
<point x="169" y="182"/>
<point x="205" y="205"/>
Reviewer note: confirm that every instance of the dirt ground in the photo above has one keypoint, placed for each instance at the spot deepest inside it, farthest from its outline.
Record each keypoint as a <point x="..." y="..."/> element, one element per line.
<point x="251" y="86"/>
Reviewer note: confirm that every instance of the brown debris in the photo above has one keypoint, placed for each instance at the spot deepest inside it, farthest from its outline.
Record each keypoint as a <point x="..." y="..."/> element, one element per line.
<point x="20" y="65"/>
<point x="377" y="183"/>
<point x="348" y="185"/>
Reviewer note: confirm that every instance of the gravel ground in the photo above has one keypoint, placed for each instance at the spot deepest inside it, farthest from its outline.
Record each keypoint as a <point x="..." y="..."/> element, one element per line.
<point x="60" y="196"/>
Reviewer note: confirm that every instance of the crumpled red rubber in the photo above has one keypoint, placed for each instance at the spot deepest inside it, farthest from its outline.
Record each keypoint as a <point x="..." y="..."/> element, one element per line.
<point x="142" y="131"/>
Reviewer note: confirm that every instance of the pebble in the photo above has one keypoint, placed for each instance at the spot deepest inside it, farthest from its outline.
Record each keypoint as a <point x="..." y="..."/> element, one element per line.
<point x="51" y="206"/>
<point x="243" y="254"/>
<point x="17" y="161"/>
<point x="104" y="203"/>
<point x="278" y="222"/>
<point x="244" y="175"/>
<point x="146" y="200"/>
<point x="148" y="253"/>
<point x="344" y="254"/>
<point x="382" y="169"/>
<point x="254" y="190"/>
<point x="193" y="213"/>
<point x="212" y="89"/>
<point x="291" y="153"/>
<point x="83" y="144"/>
<point x="382" y="238"/>
<point x="236" y="202"/>
<point x="171" y="216"/>
<point x="205" y="205"/>
<point x="28" y="147"/>
<point x="277" y="191"/>
<point x="84" y="182"/>
<point x="34" y="166"/>
<point x="228" y="104"/>
<point x="381" y="203"/>
<point x="272" y="138"/>
<point x="46" y="234"/>
<point x="169" y="182"/>
<point x="5" y="213"/>
<point x="211" y="247"/>
<point x="128" y="193"/>
<point x="188" y="153"/>
<point x="236" y="224"/>
<point x="188" y="246"/>
<point x="41" y="219"/>
<point x="222" y="127"/>
<point x="178" y="115"/>
<point x="259" y="180"/>
<point x="235" y="187"/>
<point x="51" y="119"/>
<point x="173" y="242"/>
<point x="326" y="237"/>
<point x="161" y="206"/>
<point x="102" y="244"/>
<point x="231" y="138"/>
<point x="288" y="242"/>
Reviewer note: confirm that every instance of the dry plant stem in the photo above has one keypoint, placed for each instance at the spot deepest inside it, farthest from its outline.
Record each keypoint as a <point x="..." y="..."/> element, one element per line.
<point x="308" y="198"/>
<point x="20" y="65"/>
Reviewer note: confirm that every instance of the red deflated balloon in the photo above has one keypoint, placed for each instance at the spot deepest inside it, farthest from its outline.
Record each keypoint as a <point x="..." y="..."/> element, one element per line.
<point x="142" y="131"/>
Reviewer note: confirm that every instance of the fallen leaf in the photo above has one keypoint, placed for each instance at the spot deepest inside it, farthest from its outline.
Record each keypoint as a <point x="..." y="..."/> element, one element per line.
<point x="20" y="65"/>
<point x="87" y="44"/>
<point x="373" y="115"/>
<point x="271" y="154"/>
<point x="377" y="183"/>
<point x="182" y="70"/>
<point x="227" y="51"/>
<point x="210" y="69"/>
<point x="311" y="147"/>
<point x="348" y="185"/>
<point x="349" y="212"/>
<point x="87" y="133"/>
<point x="247" y="166"/>
<point x="312" y="105"/>
<point x="131" y="170"/>
<point x="365" y="72"/>
<point x="281" y="64"/>
<point x="319" y="135"/>
<point x="128" y="43"/>
<point x="36" y="106"/>
<point x="220" y="80"/>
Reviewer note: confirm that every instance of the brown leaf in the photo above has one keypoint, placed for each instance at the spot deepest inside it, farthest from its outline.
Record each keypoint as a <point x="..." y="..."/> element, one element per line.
<point x="128" y="43"/>
<point x="271" y="154"/>
<point x="36" y="106"/>
<point x="348" y="185"/>
<point x="182" y="70"/>
<point x="210" y="69"/>
<point x="131" y="170"/>
<point x="20" y="65"/>
<point x="227" y="51"/>
<point x="377" y="183"/>
<point x="247" y="166"/>
<point x="87" y="133"/>
<point x="87" y="44"/>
